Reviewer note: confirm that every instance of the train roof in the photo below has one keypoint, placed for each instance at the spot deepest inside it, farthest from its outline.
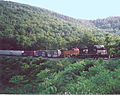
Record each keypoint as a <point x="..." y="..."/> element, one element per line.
<point x="99" y="46"/>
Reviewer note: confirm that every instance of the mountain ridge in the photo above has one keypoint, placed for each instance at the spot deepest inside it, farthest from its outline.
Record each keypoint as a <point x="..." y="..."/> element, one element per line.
<point x="69" y="18"/>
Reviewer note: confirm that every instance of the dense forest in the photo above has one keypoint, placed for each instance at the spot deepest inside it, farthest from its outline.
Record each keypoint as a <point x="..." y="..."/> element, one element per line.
<point x="31" y="28"/>
<point x="110" y="24"/>
<point x="30" y="76"/>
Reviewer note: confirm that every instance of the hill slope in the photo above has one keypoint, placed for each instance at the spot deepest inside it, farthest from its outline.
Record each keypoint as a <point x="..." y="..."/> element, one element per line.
<point x="30" y="28"/>
<point x="26" y="27"/>
<point x="110" y="24"/>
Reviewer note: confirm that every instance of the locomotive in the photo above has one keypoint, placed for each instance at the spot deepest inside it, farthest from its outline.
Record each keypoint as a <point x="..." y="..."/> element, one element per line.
<point x="95" y="52"/>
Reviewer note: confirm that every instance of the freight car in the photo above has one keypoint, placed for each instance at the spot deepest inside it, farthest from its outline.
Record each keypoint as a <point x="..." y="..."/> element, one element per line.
<point x="42" y="53"/>
<point x="53" y="53"/>
<point x="11" y="53"/>
<point x="48" y="53"/>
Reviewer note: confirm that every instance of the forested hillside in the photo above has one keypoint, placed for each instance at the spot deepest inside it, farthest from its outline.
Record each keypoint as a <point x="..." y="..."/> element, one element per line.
<point x="26" y="27"/>
<point x="110" y="24"/>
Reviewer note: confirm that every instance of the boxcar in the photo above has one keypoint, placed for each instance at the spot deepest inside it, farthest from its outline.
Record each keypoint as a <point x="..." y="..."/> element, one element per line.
<point x="11" y="52"/>
<point x="42" y="53"/>
<point x="53" y="53"/>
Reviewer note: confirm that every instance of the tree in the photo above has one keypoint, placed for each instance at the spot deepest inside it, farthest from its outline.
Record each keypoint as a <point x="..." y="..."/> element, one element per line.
<point x="89" y="40"/>
<point x="109" y="43"/>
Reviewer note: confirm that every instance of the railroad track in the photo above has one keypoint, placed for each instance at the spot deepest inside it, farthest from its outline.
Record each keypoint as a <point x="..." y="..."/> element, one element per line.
<point x="31" y="57"/>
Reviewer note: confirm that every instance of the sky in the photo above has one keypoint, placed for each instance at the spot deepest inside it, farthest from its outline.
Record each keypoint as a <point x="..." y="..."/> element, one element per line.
<point x="82" y="9"/>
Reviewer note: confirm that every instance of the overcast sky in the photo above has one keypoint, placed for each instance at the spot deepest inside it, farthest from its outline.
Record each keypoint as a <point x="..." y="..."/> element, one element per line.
<point x="83" y="9"/>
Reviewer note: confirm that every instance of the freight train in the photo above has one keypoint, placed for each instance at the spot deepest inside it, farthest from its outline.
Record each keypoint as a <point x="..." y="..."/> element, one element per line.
<point x="95" y="52"/>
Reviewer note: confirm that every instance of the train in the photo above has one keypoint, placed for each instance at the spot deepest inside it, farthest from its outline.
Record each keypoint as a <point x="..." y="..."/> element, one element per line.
<point x="95" y="52"/>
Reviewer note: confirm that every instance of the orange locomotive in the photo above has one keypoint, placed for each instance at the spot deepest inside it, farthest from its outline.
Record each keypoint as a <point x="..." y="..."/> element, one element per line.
<point x="68" y="53"/>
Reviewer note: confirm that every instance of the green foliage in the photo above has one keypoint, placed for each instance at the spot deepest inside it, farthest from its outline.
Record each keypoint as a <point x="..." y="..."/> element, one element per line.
<point x="112" y="65"/>
<point x="43" y="74"/>
<point x="16" y="79"/>
<point x="24" y="27"/>
<point x="100" y="60"/>
<point x="110" y="24"/>
<point x="21" y="75"/>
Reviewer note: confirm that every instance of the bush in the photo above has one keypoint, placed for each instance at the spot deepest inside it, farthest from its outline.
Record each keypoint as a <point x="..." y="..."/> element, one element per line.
<point x="22" y="75"/>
